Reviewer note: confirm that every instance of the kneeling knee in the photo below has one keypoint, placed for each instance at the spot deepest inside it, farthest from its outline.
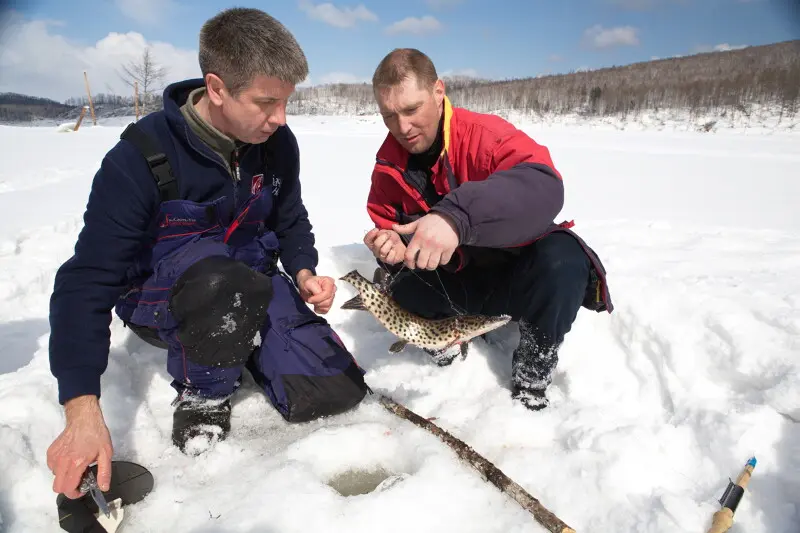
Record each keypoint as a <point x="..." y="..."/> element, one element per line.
<point x="565" y="262"/>
<point x="219" y="282"/>
<point x="220" y="305"/>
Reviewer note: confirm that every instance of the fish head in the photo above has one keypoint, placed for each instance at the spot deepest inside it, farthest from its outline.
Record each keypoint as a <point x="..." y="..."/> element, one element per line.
<point x="472" y="326"/>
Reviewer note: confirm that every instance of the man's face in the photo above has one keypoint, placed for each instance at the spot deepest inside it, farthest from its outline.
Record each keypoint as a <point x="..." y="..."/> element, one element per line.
<point x="257" y="111"/>
<point x="412" y="113"/>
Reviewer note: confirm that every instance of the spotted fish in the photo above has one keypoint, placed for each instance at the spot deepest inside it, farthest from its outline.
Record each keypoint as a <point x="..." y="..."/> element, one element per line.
<point x="432" y="335"/>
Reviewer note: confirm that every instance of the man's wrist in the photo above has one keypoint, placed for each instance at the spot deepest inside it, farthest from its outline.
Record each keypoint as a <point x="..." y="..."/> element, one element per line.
<point x="455" y="218"/>
<point x="302" y="275"/>
<point x="81" y="406"/>
<point x="448" y="217"/>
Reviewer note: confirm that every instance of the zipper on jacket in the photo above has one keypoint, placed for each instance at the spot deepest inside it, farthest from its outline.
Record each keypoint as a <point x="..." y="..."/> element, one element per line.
<point x="236" y="178"/>
<point x="236" y="175"/>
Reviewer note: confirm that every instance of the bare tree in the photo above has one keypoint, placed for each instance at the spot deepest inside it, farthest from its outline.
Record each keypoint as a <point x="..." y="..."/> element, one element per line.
<point x="150" y="77"/>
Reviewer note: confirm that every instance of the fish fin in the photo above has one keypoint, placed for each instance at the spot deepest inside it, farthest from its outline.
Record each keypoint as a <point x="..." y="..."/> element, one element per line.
<point x="398" y="346"/>
<point x="450" y="345"/>
<point x="354" y="304"/>
<point x="464" y="350"/>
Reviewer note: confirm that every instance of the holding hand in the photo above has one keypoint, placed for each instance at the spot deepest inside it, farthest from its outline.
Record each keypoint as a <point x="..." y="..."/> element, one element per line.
<point x="386" y="245"/>
<point x="435" y="239"/>
<point x="316" y="290"/>
<point x="85" y="439"/>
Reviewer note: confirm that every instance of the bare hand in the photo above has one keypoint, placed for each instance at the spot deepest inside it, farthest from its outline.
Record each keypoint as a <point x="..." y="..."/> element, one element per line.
<point x="385" y="245"/>
<point x="316" y="290"/>
<point x="85" y="440"/>
<point x="435" y="239"/>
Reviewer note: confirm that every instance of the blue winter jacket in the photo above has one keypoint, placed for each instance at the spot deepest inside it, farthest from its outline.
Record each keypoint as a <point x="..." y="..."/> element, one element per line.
<point x="119" y="226"/>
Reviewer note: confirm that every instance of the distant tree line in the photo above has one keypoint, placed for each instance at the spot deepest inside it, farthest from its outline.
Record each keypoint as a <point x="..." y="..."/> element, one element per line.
<point x="16" y="107"/>
<point x="708" y="83"/>
<point x="143" y="75"/>
<point x="702" y="83"/>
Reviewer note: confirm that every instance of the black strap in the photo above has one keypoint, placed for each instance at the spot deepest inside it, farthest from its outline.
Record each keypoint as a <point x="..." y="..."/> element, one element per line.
<point x="156" y="160"/>
<point x="451" y="177"/>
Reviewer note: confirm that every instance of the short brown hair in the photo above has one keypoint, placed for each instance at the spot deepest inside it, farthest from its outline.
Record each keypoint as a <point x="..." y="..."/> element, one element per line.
<point x="402" y="63"/>
<point x="239" y="44"/>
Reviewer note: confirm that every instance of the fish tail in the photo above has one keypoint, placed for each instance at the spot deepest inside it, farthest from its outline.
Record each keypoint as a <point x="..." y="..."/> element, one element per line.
<point x="355" y="304"/>
<point x="354" y="277"/>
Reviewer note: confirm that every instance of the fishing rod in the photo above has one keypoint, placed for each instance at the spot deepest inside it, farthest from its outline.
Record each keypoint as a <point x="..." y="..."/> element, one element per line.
<point x="723" y="519"/>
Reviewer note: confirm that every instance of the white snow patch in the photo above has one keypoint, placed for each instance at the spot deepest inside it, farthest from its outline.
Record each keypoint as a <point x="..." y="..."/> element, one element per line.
<point x="228" y="323"/>
<point x="653" y="408"/>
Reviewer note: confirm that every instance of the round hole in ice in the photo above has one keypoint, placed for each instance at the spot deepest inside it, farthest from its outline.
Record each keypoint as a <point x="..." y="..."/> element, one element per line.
<point x="356" y="481"/>
<point x="356" y="459"/>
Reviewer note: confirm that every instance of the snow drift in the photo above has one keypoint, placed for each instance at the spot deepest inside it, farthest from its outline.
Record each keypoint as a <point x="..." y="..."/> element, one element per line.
<point x="653" y="407"/>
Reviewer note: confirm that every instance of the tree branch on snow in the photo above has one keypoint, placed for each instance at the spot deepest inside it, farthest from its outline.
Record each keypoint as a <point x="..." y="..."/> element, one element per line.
<point x="543" y="516"/>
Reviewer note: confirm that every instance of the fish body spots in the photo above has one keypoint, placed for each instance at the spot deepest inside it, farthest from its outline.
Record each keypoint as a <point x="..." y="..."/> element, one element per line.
<point x="433" y="334"/>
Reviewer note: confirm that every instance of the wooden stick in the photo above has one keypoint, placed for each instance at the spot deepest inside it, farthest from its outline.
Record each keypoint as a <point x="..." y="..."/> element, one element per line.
<point x="723" y="519"/>
<point x="80" y="119"/>
<point x="89" y="93"/>
<point x="489" y="472"/>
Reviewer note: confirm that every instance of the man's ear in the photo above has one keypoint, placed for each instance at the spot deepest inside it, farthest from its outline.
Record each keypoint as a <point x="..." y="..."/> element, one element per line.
<point x="438" y="92"/>
<point x="215" y="88"/>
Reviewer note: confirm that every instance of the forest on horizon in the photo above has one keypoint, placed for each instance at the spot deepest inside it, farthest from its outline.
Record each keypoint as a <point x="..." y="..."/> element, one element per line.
<point x="699" y="84"/>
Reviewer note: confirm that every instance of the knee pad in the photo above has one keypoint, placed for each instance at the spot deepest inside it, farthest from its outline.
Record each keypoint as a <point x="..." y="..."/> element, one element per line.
<point x="220" y="305"/>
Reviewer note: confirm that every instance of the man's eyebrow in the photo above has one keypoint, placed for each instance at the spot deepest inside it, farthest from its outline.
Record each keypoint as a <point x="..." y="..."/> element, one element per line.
<point x="409" y="107"/>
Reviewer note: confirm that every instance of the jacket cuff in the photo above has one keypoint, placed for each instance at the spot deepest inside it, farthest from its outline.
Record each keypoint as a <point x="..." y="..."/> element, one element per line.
<point x="77" y="382"/>
<point x="449" y="209"/>
<point x="299" y="263"/>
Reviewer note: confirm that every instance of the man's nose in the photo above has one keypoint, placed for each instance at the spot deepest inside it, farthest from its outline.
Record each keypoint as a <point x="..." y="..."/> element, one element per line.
<point x="278" y="117"/>
<point x="404" y="125"/>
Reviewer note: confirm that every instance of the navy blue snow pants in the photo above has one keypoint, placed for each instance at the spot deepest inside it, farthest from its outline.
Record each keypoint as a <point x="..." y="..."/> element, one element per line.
<point x="293" y="354"/>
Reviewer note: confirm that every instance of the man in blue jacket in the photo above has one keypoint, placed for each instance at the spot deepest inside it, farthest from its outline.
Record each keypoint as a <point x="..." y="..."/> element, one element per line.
<point x="186" y="221"/>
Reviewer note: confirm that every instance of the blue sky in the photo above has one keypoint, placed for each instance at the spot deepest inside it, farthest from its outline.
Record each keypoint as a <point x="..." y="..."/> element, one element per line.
<point x="344" y="40"/>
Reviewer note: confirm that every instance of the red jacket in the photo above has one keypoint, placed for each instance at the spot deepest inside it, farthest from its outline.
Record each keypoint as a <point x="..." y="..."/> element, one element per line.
<point x="499" y="186"/>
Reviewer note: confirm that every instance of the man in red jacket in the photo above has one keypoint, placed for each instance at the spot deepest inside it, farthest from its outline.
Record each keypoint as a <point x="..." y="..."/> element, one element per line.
<point x="464" y="206"/>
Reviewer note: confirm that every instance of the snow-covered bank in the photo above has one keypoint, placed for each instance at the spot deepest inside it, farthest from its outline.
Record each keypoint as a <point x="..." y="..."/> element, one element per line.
<point x="654" y="407"/>
<point x="750" y="119"/>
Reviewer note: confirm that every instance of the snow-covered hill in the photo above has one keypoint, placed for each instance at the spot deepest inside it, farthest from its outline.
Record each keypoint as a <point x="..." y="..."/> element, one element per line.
<point x="654" y="407"/>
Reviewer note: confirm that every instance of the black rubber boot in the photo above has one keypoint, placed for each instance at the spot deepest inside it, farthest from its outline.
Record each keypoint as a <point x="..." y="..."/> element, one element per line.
<point x="532" y="367"/>
<point x="199" y="422"/>
<point x="533" y="399"/>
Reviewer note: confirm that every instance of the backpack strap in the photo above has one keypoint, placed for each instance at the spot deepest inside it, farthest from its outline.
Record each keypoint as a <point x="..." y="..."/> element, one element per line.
<point x="156" y="160"/>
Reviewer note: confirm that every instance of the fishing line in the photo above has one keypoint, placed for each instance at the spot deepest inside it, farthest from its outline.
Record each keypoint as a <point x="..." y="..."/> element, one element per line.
<point x="458" y="310"/>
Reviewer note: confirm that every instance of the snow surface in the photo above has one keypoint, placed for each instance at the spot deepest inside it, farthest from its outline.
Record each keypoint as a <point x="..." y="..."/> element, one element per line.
<point x="653" y="407"/>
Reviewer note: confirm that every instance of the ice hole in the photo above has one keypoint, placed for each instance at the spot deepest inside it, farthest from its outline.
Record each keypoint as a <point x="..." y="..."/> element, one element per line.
<point x="360" y="481"/>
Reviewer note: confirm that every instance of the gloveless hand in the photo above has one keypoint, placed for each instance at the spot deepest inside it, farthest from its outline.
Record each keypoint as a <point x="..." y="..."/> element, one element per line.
<point x="85" y="439"/>
<point x="435" y="240"/>
<point x="385" y="245"/>
<point x="318" y="291"/>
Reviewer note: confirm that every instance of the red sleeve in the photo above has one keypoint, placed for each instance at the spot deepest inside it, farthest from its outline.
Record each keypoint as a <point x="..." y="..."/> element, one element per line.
<point x="518" y="148"/>
<point x="379" y="204"/>
<point x="515" y="203"/>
